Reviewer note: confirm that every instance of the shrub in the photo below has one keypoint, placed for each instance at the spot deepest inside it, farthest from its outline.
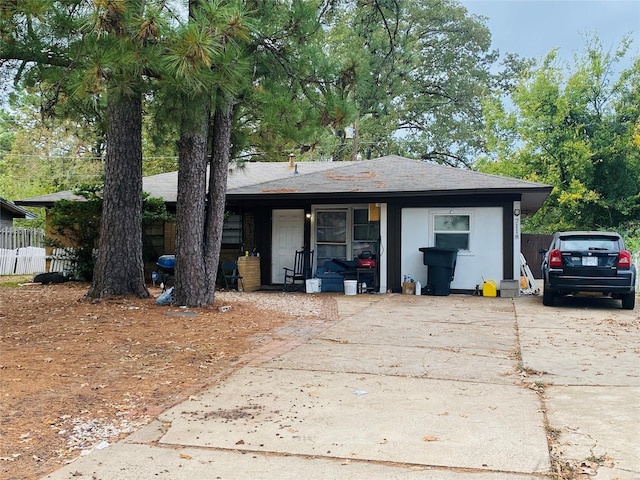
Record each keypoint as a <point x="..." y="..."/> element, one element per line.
<point x="76" y="224"/>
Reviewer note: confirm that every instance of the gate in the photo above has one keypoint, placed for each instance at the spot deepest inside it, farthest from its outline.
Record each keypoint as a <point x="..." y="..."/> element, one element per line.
<point x="530" y="246"/>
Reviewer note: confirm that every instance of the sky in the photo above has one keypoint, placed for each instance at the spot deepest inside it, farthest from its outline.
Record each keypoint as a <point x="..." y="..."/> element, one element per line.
<point x="532" y="28"/>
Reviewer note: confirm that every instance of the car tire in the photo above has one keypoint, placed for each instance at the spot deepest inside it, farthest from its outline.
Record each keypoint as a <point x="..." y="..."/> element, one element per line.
<point x="629" y="301"/>
<point x="547" y="298"/>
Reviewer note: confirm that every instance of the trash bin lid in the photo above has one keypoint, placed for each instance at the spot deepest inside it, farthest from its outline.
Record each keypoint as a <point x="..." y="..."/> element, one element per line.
<point x="438" y="249"/>
<point x="438" y="256"/>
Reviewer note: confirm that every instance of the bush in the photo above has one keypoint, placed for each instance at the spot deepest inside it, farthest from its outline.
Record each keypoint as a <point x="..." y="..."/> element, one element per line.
<point x="630" y="231"/>
<point x="76" y="224"/>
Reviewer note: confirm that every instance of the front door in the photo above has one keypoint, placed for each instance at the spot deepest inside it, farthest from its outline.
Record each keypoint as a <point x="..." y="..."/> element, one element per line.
<point x="288" y="236"/>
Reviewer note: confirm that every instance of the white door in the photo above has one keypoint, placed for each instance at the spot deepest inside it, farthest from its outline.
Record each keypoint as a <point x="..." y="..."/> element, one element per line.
<point x="287" y="237"/>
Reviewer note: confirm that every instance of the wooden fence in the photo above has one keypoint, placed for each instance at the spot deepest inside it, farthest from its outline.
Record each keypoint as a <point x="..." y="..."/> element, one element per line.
<point x="14" y="238"/>
<point x="62" y="260"/>
<point x="22" y="261"/>
<point x="22" y="251"/>
<point x="32" y="260"/>
<point x="530" y="246"/>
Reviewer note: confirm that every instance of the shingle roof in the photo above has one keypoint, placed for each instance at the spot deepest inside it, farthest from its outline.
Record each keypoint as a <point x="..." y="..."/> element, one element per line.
<point x="15" y="210"/>
<point x="389" y="176"/>
<point x="165" y="185"/>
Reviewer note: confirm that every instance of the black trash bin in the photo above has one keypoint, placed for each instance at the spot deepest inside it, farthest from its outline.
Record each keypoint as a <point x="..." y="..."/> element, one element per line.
<point x="441" y="263"/>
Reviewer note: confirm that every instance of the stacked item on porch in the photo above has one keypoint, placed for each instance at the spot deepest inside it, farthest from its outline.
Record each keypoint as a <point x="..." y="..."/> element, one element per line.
<point x="334" y="272"/>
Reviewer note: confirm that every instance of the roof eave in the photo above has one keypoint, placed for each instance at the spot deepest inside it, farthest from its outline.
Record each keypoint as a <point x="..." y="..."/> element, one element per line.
<point x="16" y="210"/>
<point x="531" y="199"/>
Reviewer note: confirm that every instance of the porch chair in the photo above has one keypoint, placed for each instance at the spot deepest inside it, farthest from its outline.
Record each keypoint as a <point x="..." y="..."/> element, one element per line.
<point x="295" y="278"/>
<point x="232" y="278"/>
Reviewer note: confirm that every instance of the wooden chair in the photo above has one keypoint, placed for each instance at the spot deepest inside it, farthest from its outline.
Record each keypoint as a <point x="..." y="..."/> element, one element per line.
<point x="295" y="278"/>
<point x="232" y="279"/>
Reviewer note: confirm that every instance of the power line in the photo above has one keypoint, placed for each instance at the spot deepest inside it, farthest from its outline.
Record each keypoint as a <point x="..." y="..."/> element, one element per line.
<point x="79" y="157"/>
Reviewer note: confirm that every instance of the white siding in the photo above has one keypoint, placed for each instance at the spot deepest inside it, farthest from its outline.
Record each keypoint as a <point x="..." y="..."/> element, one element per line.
<point x="483" y="260"/>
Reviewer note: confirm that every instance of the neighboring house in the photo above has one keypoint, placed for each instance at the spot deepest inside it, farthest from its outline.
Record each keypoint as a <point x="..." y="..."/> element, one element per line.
<point x="21" y="249"/>
<point x="9" y="211"/>
<point x="391" y="206"/>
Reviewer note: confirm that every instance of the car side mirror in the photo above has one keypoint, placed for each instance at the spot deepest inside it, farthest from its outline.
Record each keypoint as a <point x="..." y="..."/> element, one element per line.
<point x="542" y="251"/>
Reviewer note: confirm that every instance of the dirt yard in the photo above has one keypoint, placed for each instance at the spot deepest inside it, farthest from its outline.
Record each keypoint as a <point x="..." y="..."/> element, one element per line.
<point x="76" y="376"/>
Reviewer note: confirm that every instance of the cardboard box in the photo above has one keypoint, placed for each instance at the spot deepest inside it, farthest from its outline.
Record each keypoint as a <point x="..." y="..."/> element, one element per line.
<point x="249" y="270"/>
<point x="408" y="288"/>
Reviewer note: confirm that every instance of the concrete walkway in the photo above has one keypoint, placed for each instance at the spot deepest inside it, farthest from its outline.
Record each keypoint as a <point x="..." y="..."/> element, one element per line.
<point x="410" y="387"/>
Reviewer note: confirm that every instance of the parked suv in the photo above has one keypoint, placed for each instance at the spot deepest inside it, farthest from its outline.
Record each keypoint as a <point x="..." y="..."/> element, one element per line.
<point x="594" y="262"/>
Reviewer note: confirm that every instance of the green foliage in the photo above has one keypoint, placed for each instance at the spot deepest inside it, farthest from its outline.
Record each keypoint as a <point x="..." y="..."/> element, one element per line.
<point x="76" y="224"/>
<point x="574" y="131"/>
<point x="154" y="209"/>
<point x="406" y="76"/>
<point x="7" y="133"/>
<point x="287" y="105"/>
<point x="630" y="231"/>
<point x="15" y="281"/>
<point x="53" y="151"/>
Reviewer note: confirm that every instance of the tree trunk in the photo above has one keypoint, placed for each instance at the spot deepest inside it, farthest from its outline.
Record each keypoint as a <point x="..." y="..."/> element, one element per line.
<point x="219" y="168"/>
<point x="191" y="287"/>
<point x="119" y="266"/>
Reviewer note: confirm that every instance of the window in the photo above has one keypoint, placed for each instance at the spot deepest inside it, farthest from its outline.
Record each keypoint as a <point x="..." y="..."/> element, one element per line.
<point x="452" y="231"/>
<point x="232" y="231"/>
<point x="365" y="233"/>
<point x="331" y="235"/>
<point x="344" y="233"/>
<point x="587" y="243"/>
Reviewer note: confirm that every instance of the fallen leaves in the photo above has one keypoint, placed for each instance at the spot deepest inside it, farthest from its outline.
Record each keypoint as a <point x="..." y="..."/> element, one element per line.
<point x="75" y="374"/>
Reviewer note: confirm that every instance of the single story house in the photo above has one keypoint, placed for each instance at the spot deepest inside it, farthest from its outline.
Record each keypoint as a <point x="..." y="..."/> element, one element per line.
<point x="391" y="206"/>
<point x="9" y="211"/>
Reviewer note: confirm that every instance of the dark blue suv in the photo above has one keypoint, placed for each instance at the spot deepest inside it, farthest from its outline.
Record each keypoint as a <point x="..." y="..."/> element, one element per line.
<point x="594" y="262"/>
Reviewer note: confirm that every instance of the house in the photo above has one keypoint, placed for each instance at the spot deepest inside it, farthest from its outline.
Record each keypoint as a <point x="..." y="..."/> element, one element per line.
<point x="391" y="206"/>
<point x="9" y="211"/>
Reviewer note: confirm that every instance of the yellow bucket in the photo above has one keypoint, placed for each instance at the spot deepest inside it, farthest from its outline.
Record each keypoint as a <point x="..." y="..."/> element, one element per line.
<point x="489" y="289"/>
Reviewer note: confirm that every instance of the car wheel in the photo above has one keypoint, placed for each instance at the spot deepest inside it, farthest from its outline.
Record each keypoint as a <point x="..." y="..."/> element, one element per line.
<point x="629" y="301"/>
<point x="547" y="298"/>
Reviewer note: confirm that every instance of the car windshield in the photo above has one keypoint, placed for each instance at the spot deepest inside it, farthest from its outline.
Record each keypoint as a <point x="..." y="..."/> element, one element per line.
<point x="588" y="243"/>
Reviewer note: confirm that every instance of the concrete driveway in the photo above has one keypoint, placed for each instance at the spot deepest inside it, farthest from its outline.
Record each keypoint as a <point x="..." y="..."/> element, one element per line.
<point x="411" y="387"/>
<point x="586" y="351"/>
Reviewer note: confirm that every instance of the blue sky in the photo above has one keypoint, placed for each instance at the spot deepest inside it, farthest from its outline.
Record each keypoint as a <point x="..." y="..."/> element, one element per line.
<point x="532" y="28"/>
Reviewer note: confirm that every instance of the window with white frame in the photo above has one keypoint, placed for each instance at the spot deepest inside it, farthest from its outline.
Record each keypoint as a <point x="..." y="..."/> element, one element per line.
<point x="344" y="233"/>
<point x="331" y="234"/>
<point x="452" y="230"/>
